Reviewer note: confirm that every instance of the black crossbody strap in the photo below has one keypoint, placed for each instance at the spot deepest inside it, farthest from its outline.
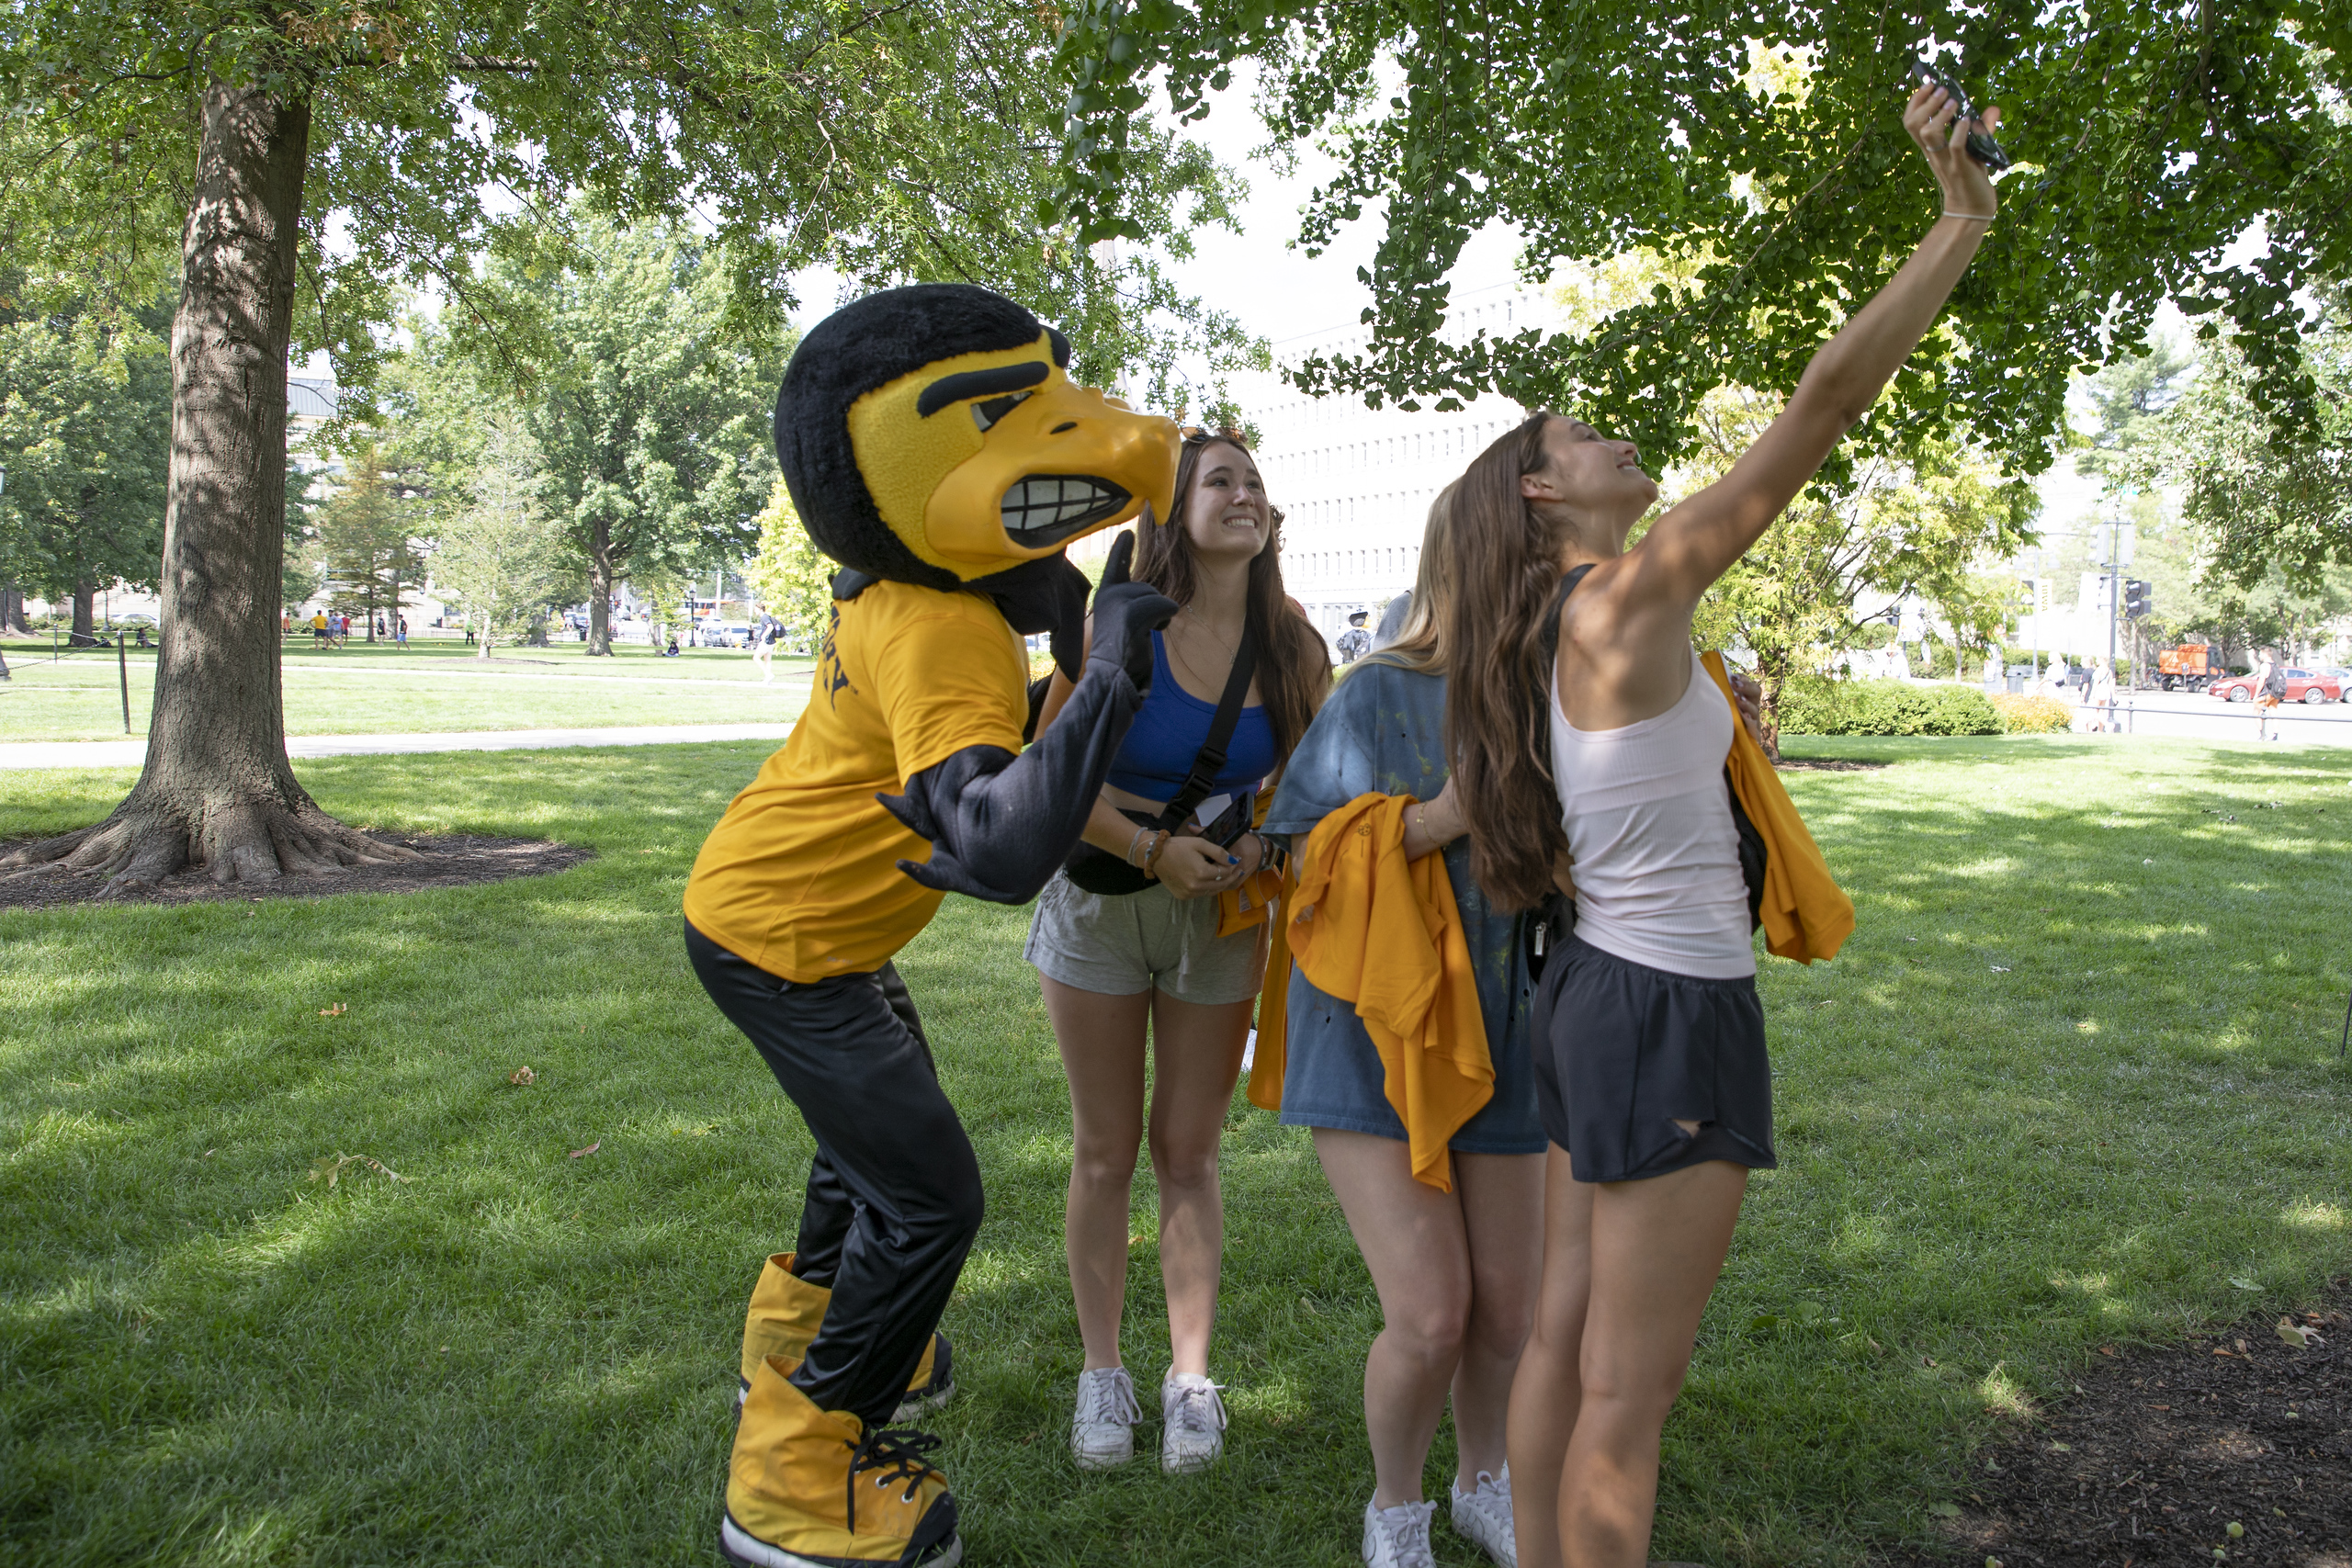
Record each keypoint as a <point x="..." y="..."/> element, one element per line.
<point x="1210" y="758"/>
<point x="1551" y="628"/>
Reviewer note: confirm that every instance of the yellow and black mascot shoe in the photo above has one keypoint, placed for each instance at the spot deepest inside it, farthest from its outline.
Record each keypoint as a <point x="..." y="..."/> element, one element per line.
<point x="808" y="1488"/>
<point x="786" y="1312"/>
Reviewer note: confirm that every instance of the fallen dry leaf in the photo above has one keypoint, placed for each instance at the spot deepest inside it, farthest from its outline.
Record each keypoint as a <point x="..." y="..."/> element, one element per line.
<point x="2297" y="1334"/>
<point x="522" y="1074"/>
<point x="591" y="1149"/>
<point x="335" y="1011"/>
<point x="330" y="1170"/>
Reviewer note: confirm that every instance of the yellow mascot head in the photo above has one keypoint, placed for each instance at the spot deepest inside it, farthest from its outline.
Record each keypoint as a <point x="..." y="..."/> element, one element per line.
<point x="930" y="435"/>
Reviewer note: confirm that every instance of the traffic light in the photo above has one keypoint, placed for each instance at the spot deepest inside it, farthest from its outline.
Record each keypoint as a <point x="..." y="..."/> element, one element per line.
<point x="2138" y="598"/>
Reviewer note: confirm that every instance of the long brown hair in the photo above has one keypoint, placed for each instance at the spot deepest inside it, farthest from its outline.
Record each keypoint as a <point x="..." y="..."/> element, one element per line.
<point x="1420" y="643"/>
<point x="1506" y="567"/>
<point x="1293" y="666"/>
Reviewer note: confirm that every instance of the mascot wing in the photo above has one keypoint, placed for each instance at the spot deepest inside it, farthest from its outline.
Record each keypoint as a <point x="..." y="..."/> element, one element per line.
<point x="1001" y="824"/>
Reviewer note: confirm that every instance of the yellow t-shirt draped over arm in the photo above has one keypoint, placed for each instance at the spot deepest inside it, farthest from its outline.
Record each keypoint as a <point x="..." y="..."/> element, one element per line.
<point x="800" y="876"/>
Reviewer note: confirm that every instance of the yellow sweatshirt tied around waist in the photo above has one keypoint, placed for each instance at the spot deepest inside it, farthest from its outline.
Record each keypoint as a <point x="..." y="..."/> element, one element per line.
<point x="1806" y="915"/>
<point x="1374" y="928"/>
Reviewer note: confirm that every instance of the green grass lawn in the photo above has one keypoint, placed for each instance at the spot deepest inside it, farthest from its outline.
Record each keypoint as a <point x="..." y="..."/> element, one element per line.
<point x="428" y="686"/>
<point x="2072" y="1083"/>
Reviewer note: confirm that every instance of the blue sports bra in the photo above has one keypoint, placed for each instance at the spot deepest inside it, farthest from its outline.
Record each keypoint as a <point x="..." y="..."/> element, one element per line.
<point x="1158" y="754"/>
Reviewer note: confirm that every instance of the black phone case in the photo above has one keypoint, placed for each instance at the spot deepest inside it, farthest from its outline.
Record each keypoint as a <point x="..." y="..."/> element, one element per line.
<point x="1981" y="146"/>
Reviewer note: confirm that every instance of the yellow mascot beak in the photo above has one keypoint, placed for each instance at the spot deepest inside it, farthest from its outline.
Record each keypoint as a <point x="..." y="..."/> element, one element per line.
<point x="986" y="460"/>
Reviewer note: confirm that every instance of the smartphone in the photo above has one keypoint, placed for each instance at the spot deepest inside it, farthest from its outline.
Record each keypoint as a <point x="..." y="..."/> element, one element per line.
<point x="1981" y="145"/>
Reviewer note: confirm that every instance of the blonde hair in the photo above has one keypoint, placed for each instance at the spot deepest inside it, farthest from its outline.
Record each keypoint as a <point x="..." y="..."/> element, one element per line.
<point x="1420" y="642"/>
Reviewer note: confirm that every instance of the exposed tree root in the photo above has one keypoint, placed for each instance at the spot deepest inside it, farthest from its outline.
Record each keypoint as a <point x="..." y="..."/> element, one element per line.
<point x="245" y="841"/>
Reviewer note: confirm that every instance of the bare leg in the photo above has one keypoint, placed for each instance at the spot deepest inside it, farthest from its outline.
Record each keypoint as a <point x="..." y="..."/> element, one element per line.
<point x="1655" y="1248"/>
<point x="1547" y="1394"/>
<point x="1102" y="1041"/>
<point x="1196" y="1058"/>
<point x="1413" y="1242"/>
<point x="1501" y="1200"/>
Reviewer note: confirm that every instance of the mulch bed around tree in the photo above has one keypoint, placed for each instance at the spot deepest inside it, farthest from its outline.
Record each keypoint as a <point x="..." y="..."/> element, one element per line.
<point x="1823" y="765"/>
<point x="444" y="862"/>
<point x="2165" y="1449"/>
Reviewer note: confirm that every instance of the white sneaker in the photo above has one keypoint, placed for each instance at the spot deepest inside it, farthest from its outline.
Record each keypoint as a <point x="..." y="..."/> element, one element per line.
<point x="1398" y="1537"/>
<point x="1103" y="1432"/>
<point x="1192" y="1419"/>
<point x="1483" y="1517"/>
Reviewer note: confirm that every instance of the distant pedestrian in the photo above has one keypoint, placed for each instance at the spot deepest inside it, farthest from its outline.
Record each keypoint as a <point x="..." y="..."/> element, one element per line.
<point x="399" y="631"/>
<point x="2102" y="697"/>
<point x="380" y="628"/>
<point x="321" y="629"/>
<point x="2269" y="690"/>
<point x="1355" y="642"/>
<point x="764" y="632"/>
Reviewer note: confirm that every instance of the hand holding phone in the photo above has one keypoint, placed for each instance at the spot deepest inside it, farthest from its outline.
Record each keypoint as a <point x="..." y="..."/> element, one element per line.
<point x="1981" y="145"/>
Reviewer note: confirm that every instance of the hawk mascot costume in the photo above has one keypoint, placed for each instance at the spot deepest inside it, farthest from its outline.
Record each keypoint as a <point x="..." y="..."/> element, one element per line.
<point x="934" y="447"/>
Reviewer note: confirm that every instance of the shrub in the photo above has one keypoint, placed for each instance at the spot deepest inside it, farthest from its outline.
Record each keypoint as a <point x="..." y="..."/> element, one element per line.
<point x="2032" y="716"/>
<point x="1885" y="707"/>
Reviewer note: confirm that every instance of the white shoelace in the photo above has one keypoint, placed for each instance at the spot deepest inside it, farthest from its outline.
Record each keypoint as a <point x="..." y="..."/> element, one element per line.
<point x="1107" y="1397"/>
<point x="1192" y="1407"/>
<point x="1405" y="1530"/>
<point x="1489" y="1503"/>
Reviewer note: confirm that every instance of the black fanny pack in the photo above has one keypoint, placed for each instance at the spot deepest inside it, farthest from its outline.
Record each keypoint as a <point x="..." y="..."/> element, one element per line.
<point x="1100" y="872"/>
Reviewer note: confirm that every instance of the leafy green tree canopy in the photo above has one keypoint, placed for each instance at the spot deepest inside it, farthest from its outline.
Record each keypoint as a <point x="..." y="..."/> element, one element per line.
<point x="889" y="141"/>
<point x="84" y="428"/>
<point x="1762" y="144"/>
<point x="2261" y="503"/>
<point x="651" y="426"/>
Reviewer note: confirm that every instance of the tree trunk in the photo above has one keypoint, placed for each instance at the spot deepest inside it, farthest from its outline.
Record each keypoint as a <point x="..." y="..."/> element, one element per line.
<point x="600" y="590"/>
<point x="1772" y="679"/>
<point x="484" y="651"/>
<point x="85" y="621"/>
<point x="217" y="789"/>
<point x="12" y="611"/>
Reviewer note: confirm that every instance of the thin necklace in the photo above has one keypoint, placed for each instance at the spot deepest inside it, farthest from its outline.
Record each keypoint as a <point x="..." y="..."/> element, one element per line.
<point x="1232" y="650"/>
<point x="1194" y="670"/>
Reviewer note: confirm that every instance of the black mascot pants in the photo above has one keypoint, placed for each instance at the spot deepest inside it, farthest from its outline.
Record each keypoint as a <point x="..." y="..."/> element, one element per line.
<point x="894" y="1192"/>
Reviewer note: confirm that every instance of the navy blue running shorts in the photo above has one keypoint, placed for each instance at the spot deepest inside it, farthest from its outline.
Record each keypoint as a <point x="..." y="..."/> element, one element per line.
<point x="1624" y="1052"/>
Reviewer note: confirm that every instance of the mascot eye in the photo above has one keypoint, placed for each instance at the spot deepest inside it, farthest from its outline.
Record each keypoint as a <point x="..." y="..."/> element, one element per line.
<point x="986" y="412"/>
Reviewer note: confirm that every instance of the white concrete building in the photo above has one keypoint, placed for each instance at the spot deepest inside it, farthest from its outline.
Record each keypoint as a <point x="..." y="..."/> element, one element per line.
<point x="1354" y="484"/>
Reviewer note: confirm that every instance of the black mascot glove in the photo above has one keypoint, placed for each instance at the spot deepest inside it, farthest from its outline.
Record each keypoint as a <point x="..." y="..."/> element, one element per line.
<point x="1125" y="614"/>
<point x="999" y="825"/>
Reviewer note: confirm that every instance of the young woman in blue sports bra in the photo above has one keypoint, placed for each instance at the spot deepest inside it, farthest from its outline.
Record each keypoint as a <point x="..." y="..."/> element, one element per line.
<point x="1116" y="967"/>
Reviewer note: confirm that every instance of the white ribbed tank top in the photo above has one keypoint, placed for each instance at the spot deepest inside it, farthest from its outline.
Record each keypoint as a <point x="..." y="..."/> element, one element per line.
<point x="1649" y="821"/>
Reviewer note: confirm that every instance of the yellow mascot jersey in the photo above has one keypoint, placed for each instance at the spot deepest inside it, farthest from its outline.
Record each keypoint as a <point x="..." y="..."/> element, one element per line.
<point x="801" y="875"/>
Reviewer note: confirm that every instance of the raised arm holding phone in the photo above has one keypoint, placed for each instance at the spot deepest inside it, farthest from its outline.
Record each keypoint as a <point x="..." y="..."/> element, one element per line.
<point x="1651" y="1072"/>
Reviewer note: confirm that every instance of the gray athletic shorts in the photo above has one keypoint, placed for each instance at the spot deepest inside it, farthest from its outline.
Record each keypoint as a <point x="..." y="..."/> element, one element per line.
<point x="1122" y="945"/>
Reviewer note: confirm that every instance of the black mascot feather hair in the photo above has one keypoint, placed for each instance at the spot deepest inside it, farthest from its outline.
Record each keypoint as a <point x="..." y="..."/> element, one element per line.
<point x="865" y="344"/>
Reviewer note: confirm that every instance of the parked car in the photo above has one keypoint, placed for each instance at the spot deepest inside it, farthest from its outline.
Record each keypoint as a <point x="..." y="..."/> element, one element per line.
<point x="2302" y="686"/>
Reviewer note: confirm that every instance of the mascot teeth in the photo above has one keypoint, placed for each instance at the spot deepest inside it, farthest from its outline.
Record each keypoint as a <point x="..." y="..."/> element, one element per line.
<point x="1047" y="507"/>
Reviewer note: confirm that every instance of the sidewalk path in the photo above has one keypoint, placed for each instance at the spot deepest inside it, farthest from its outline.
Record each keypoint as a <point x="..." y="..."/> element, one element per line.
<point x="131" y="752"/>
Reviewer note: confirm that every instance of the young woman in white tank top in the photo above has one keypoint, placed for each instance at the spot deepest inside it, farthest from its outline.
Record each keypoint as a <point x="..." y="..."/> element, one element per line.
<point x="1658" y="1098"/>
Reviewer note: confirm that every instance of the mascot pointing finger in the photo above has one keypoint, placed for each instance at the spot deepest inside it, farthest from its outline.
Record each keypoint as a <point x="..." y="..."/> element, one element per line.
<point x="933" y="445"/>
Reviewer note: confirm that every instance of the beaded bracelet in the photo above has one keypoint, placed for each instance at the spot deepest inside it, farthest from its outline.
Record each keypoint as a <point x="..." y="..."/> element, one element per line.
<point x="1151" y="856"/>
